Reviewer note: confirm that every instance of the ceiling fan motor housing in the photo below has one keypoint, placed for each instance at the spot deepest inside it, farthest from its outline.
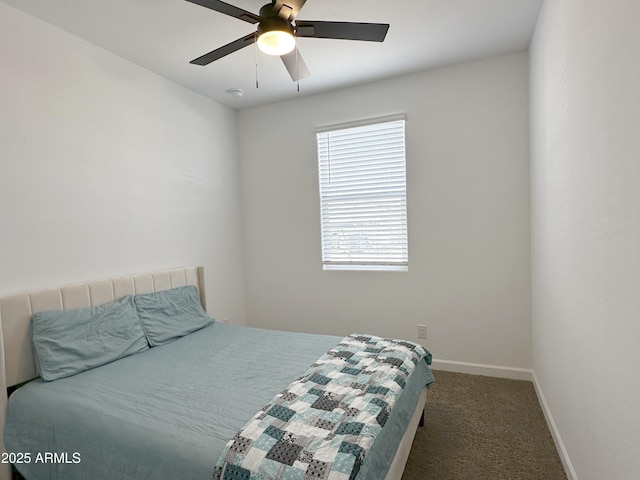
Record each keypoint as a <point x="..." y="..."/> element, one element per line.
<point x="270" y="20"/>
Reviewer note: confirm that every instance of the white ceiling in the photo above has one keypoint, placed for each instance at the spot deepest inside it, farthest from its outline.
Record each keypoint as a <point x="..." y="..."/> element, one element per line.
<point x="164" y="35"/>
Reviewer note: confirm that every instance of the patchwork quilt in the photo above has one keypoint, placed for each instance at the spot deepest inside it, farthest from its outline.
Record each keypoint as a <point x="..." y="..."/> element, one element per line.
<point x="324" y="424"/>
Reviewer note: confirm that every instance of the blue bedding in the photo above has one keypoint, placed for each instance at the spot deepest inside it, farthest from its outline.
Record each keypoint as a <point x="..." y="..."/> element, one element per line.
<point x="168" y="412"/>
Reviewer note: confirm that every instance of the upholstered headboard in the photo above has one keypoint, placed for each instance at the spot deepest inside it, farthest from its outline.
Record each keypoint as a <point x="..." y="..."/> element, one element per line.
<point x="16" y="310"/>
<point x="16" y="352"/>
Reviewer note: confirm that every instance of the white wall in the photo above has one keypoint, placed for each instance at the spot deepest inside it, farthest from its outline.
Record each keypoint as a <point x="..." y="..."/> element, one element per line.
<point x="106" y="169"/>
<point x="468" y="191"/>
<point x="585" y="200"/>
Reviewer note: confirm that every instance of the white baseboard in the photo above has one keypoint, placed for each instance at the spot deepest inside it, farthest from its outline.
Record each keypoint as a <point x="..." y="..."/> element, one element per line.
<point x="514" y="374"/>
<point x="482" y="369"/>
<point x="555" y="434"/>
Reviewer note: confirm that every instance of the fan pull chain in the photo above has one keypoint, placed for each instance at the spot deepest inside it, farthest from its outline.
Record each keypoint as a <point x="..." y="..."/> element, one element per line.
<point x="297" y="70"/>
<point x="256" y="56"/>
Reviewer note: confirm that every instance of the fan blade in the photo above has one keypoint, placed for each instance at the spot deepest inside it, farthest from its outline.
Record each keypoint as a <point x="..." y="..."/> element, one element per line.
<point x="207" y="58"/>
<point x="295" y="65"/>
<point x="227" y="9"/>
<point x="370" y="32"/>
<point x="288" y="9"/>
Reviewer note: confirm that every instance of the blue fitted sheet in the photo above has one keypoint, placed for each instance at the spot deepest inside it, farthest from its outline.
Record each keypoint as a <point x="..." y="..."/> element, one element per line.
<point x="168" y="412"/>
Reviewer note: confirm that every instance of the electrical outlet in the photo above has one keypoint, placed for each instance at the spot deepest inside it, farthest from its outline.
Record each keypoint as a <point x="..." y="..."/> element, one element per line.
<point x="422" y="331"/>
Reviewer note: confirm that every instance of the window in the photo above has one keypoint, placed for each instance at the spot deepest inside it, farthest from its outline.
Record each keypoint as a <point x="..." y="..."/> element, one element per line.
<point x="363" y="195"/>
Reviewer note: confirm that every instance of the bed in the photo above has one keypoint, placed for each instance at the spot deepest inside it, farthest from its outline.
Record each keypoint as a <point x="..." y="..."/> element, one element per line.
<point x="169" y="411"/>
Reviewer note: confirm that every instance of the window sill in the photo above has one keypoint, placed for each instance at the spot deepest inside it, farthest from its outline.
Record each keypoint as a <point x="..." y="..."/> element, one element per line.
<point x="367" y="268"/>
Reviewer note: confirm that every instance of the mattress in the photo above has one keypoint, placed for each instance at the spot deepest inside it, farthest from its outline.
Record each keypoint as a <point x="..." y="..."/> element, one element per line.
<point x="168" y="412"/>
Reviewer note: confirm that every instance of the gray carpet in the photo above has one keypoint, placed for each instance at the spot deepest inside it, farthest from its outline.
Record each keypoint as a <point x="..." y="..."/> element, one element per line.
<point x="481" y="428"/>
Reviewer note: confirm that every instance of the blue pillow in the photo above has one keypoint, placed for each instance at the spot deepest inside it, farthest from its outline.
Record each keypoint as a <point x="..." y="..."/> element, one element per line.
<point x="170" y="314"/>
<point x="67" y="342"/>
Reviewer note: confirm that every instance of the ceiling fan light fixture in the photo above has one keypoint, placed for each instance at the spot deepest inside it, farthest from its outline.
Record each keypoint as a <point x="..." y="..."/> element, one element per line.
<point x="276" y="37"/>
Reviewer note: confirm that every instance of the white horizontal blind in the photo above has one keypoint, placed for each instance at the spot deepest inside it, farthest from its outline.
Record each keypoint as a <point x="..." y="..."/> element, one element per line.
<point x="363" y="196"/>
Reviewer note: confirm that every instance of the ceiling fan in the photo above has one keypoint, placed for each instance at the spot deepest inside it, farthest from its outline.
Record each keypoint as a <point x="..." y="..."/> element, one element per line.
<point x="278" y="29"/>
